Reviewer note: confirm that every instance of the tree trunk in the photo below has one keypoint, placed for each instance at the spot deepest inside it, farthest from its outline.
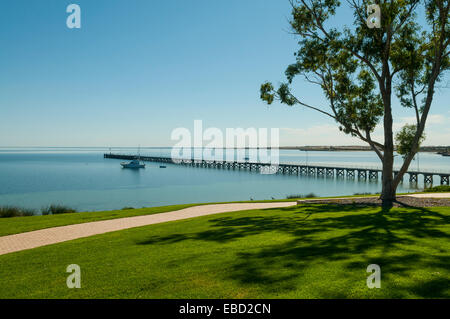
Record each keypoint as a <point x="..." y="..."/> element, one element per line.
<point x="388" y="187"/>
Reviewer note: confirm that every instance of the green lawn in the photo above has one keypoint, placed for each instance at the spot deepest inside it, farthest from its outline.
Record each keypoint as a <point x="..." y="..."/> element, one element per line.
<point x="311" y="251"/>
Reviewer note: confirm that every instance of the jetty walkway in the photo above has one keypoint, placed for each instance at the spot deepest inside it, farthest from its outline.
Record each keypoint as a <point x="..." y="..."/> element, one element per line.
<point x="292" y="168"/>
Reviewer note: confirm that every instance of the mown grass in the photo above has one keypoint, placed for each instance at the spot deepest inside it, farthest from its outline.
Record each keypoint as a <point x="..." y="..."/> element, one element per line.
<point x="307" y="251"/>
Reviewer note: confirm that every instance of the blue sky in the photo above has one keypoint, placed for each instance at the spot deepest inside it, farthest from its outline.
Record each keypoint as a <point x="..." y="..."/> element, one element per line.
<point x="138" y="69"/>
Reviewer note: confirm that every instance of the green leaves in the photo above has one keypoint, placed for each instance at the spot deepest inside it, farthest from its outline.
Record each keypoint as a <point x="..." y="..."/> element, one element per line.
<point x="267" y="92"/>
<point x="283" y="94"/>
<point x="359" y="69"/>
<point x="324" y="58"/>
<point x="405" y="139"/>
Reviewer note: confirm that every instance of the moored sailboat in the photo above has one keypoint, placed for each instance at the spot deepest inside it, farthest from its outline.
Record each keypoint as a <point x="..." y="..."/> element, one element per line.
<point x="136" y="163"/>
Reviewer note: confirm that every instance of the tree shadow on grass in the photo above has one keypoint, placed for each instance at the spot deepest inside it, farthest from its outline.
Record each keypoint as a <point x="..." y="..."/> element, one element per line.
<point x="436" y="285"/>
<point x="318" y="236"/>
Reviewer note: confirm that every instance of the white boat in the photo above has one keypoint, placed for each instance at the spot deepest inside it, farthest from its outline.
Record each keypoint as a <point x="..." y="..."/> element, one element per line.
<point x="133" y="164"/>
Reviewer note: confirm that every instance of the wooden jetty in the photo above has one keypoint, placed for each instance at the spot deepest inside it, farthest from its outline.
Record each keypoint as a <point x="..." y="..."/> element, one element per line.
<point x="299" y="169"/>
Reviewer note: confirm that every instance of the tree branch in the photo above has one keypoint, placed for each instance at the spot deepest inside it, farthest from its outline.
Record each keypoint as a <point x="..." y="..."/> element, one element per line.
<point x="312" y="107"/>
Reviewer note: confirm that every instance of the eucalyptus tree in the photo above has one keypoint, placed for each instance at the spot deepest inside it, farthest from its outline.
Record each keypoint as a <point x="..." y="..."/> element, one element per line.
<point x="390" y="51"/>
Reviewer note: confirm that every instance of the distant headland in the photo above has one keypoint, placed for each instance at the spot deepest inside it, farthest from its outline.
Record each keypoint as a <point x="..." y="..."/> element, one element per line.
<point x="434" y="149"/>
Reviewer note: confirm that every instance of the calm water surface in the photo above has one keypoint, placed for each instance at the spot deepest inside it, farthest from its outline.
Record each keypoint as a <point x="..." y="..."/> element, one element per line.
<point x="83" y="179"/>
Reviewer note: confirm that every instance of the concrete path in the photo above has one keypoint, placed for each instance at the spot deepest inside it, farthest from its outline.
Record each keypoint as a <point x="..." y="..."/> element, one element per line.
<point x="431" y="195"/>
<point x="426" y="195"/>
<point x="48" y="236"/>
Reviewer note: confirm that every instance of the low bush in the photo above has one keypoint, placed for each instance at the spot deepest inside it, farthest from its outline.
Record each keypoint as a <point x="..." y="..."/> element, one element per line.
<point x="57" y="209"/>
<point x="438" y="189"/>
<point x="12" y="211"/>
<point x="310" y="195"/>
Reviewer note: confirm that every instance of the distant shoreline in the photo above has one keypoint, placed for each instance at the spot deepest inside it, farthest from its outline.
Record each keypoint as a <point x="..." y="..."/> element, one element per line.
<point x="432" y="149"/>
<point x="330" y="148"/>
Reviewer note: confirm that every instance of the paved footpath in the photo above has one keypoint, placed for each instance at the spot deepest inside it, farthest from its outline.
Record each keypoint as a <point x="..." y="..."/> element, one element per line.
<point x="425" y="195"/>
<point x="48" y="236"/>
<point x="431" y="195"/>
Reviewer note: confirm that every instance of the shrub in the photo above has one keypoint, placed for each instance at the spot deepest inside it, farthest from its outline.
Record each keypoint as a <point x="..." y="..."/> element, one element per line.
<point x="438" y="189"/>
<point x="127" y="208"/>
<point x="57" y="209"/>
<point x="12" y="211"/>
<point x="28" y="212"/>
<point x="310" y="195"/>
<point x="9" y="211"/>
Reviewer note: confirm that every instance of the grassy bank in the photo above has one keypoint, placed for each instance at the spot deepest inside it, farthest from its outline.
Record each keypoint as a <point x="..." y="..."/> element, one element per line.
<point x="311" y="251"/>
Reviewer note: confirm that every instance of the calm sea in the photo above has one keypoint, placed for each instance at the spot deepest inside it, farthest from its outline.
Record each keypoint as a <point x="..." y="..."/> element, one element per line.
<point x="83" y="179"/>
